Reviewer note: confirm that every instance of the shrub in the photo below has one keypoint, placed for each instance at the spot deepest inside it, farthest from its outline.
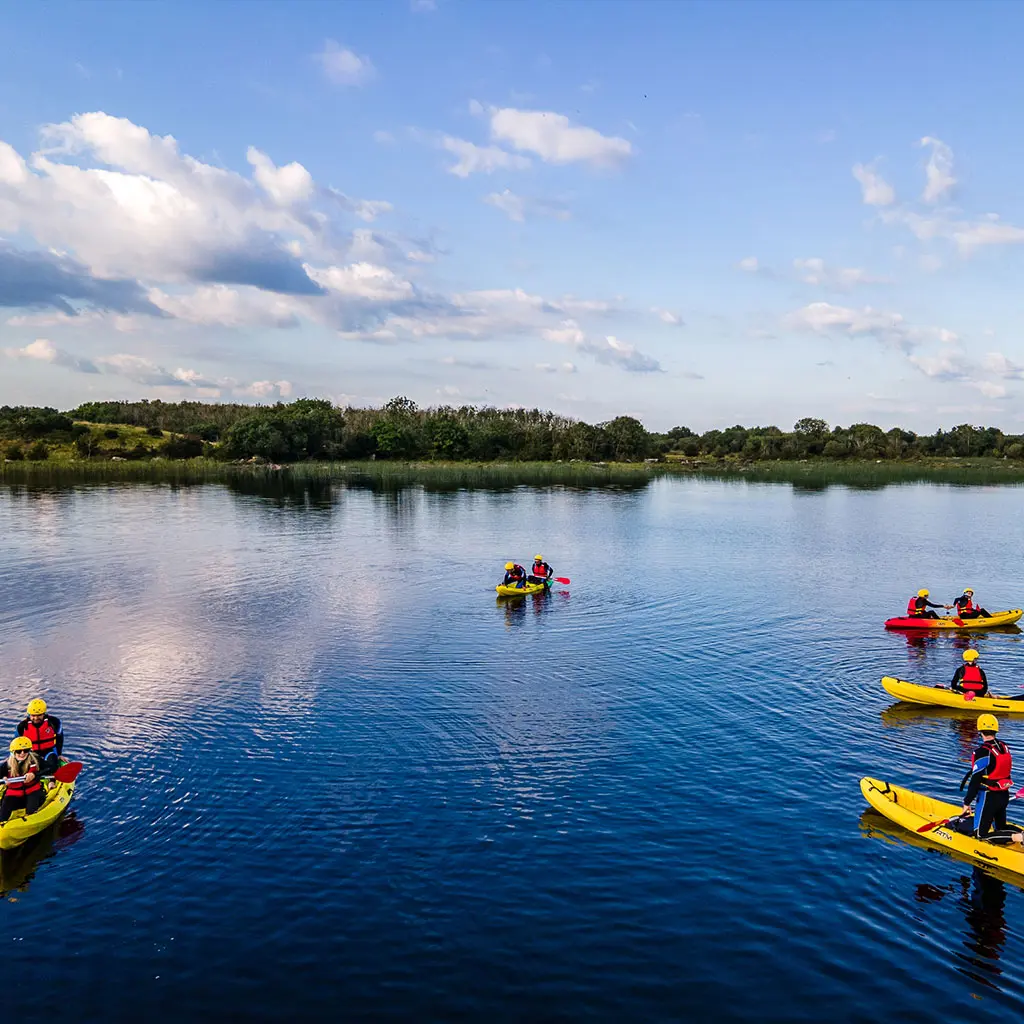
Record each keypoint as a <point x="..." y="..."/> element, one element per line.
<point x="182" y="448"/>
<point x="154" y="432"/>
<point x="111" y="434"/>
<point x="38" y="452"/>
<point x="85" y="445"/>
<point x="15" y="453"/>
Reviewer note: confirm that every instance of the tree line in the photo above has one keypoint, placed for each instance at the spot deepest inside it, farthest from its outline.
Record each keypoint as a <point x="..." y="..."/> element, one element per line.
<point x="317" y="429"/>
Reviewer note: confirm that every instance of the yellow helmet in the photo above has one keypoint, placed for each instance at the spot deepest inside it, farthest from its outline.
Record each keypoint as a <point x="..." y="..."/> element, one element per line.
<point x="988" y="723"/>
<point x="538" y="558"/>
<point x="968" y="590"/>
<point x="971" y="655"/>
<point x="922" y="593"/>
<point x="36" y="707"/>
<point x="20" y="743"/>
<point x="509" y="566"/>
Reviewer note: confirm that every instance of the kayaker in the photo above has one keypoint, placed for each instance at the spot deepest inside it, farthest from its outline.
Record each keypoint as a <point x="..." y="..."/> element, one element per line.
<point x="970" y="676"/>
<point x="45" y="733"/>
<point x="990" y="781"/>
<point x="515" y="575"/>
<point x="23" y="764"/>
<point x="917" y="607"/>
<point x="540" y="572"/>
<point x="966" y="608"/>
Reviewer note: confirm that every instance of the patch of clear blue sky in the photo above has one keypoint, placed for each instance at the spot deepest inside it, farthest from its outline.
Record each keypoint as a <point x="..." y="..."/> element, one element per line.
<point x="727" y="105"/>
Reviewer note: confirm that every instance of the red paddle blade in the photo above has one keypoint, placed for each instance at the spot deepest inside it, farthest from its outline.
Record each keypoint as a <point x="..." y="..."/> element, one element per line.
<point x="957" y="622"/>
<point x="68" y="772"/>
<point x="968" y="695"/>
<point x="562" y="579"/>
<point x="934" y="824"/>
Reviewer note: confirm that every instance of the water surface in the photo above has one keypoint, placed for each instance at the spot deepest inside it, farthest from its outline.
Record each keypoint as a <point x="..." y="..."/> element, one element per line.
<point x="329" y="773"/>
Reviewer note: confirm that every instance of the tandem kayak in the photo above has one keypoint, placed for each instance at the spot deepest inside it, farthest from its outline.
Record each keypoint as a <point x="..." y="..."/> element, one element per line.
<point x="914" y="693"/>
<point x="911" y="810"/>
<point x="528" y="588"/>
<point x="950" y="622"/>
<point x="20" y="827"/>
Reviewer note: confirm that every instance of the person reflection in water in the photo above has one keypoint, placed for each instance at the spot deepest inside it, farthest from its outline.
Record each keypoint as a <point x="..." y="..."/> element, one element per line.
<point x="982" y="899"/>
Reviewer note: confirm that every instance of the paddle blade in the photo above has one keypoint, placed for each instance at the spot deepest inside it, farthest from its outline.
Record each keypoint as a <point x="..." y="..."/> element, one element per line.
<point x="957" y="622"/>
<point x="934" y="824"/>
<point x="68" y="772"/>
<point x="562" y="579"/>
<point x="968" y="695"/>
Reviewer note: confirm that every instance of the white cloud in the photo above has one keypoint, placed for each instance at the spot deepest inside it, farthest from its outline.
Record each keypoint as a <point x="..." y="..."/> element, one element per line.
<point x="555" y="367"/>
<point x="46" y="352"/>
<point x="554" y="138"/>
<point x="224" y="306"/>
<point x="519" y="208"/>
<point x="343" y="66"/>
<point x="667" y="316"/>
<point x="363" y="281"/>
<point x="473" y="159"/>
<point x="815" y="271"/>
<point x="750" y="264"/>
<point x="938" y="171"/>
<point x="1001" y="366"/>
<point x="891" y="328"/>
<point x="876" y="190"/>
<point x="285" y="185"/>
<point x="274" y="390"/>
<point x="609" y="349"/>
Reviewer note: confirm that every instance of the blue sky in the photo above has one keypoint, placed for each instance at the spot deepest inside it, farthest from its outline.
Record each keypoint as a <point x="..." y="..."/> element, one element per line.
<point x="698" y="214"/>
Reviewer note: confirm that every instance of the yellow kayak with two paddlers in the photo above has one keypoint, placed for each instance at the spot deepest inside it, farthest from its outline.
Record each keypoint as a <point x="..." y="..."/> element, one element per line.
<point x="60" y="788"/>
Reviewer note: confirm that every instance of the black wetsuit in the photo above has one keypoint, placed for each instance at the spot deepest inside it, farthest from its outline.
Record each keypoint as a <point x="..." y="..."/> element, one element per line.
<point x="31" y="800"/>
<point x="515" y="577"/>
<point x="992" y="798"/>
<point x="973" y="611"/>
<point x="52" y="739"/>
<point x="921" y="606"/>
<point x="541" y="572"/>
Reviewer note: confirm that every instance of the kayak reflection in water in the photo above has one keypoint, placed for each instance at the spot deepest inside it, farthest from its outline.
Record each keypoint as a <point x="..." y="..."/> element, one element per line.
<point x="515" y="575"/>
<point x="990" y="784"/>
<point x="27" y="791"/>
<point x="966" y="608"/>
<point x="970" y="676"/>
<point x="540" y="572"/>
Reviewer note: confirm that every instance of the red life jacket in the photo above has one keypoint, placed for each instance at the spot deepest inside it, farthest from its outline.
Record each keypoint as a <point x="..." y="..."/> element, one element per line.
<point x="43" y="738"/>
<point x="540" y="569"/>
<point x="999" y="777"/>
<point x="21" y="789"/>
<point x="971" y="680"/>
<point x="965" y="604"/>
<point x="912" y="606"/>
<point x="517" y="572"/>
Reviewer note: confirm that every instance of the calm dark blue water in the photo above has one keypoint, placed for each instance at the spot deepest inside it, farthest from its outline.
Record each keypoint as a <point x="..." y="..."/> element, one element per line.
<point x="329" y="774"/>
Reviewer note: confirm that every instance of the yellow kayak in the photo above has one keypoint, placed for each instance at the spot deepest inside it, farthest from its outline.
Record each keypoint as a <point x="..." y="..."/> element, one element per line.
<point x="529" y="588"/>
<point x="992" y="621"/>
<point x="912" y="810"/>
<point x="914" y="693"/>
<point x="18" y="827"/>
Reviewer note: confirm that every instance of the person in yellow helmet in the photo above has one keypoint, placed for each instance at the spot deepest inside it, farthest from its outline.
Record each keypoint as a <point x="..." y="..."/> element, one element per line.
<point x="989" y="782"/>
<point x="966" y="608"/>
<point x="540" y="571"/>
<point x="45" y="733"/>
<point x="970" y="677"/>
<point x="515" y="575"/>
<point x="918" y="606"/>
<point x="24" y="789"/>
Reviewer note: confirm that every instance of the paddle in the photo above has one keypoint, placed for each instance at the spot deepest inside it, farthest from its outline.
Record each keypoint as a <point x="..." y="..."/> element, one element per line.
<point x="946" y="821"/>
<point x="65" y="773"/>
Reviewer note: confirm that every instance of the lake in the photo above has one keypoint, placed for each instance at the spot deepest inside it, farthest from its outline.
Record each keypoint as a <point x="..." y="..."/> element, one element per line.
<point x="328" y="773"/>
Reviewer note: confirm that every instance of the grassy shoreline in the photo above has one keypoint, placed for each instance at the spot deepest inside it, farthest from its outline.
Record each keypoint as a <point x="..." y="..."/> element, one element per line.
<point x="810" y="473"/>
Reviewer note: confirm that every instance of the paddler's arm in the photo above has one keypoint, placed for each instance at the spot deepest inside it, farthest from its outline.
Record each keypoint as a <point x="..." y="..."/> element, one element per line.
<point x="981" y="759"/>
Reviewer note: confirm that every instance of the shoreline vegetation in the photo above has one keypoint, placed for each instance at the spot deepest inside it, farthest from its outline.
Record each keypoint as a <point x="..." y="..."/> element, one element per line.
<point x="400" y="444"/>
